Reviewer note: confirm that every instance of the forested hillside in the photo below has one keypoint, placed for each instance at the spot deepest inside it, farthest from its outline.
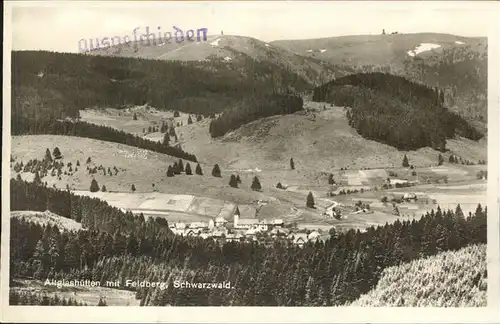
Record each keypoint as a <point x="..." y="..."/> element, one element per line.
<point x="395" y="111"/>
<point x="449" y="279"/>
<point x="252" y="109"/>
<point x="48" y="85"/>
<point x="322" y="274"/>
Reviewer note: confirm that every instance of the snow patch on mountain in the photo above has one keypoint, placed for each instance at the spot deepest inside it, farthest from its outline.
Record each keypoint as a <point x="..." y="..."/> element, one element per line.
<point x="423" y="47"/>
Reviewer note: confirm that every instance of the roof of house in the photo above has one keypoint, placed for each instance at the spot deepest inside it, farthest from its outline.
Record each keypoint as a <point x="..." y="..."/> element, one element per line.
<point x="220" y="219"/>
<point x="197" y="225"/>
<point x="297" y="237"/>
<point x="313" y="235"/>
<point x="248" y="221"/>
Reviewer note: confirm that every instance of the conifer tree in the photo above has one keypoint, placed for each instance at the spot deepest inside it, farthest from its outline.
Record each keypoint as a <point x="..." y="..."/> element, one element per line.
<point x="171" y="131"/>
<point x="37" y="179"/>
<point x="188" y="169"/>
<point x="103" y="189"/>
<point x="405" y="161"/>
<point x="176" y="113"/>
<point x="48" y="156"/>
<point x="452" y="159"/>
<point x="310" y="200"/>
<point x="135" y="116"/>
<point x="166" y="139"/>
<point x="102" y="302"/>
<point x="216" y="171"/>
<point x="279" y="185"/>
<point x="89" y="160"/>
<point x="440" y="159"/>
<point x="176" y="168"/>
<point x="170" y="171"/>
<point x="189" y="121"/>
<point x="238" y="178"/>
<point x="198" y="170"/>
<point x="292" y="164"/>
<point x="77" y="163"/>
<point x="94" y="186"/>
<point x="57" y="153"/>
<point x="133" y="188"/>
<point x="330" y="179"/>
<point x="198" y="118"/>
<point x="233" y="182"/>
<point x="256" y="184"/>
<point x="181" y="165"/>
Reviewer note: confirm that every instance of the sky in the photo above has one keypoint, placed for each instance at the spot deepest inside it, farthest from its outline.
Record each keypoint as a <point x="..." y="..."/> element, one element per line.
<point x="58" y="26"/>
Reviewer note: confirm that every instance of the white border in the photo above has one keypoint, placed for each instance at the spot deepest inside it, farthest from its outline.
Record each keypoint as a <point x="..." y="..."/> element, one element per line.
<point x="490" y="314"/>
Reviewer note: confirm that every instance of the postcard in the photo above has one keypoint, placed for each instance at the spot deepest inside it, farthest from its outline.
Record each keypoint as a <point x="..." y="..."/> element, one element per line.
<point x="251" y="162"/>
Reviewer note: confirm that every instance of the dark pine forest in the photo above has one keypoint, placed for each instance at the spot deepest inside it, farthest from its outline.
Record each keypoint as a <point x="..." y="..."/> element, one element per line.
<point x="395" y="111"/>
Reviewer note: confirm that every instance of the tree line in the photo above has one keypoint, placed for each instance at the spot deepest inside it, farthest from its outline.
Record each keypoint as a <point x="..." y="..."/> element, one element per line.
<point x="395" y="111"/>
<point x="333" y="272"/>
<point x="26" y="126"/>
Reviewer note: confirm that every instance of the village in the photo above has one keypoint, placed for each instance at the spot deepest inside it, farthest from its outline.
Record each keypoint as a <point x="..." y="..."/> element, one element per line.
<point x="246" y="230"/>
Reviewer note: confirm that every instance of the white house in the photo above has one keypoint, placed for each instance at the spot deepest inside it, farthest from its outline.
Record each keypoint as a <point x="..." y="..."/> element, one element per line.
<point x="409" y="196"/>
<point x="331" y="210"/>
<point x="245" y="223"/>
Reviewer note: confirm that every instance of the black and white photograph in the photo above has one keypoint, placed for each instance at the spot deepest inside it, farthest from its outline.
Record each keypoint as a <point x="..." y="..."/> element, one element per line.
<point x="307" y="157"/>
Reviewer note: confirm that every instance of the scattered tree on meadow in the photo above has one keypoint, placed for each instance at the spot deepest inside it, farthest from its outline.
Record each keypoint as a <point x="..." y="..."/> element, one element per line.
<point x="216" y="171"/>
<point x="176" y="168"/>
<point x="170" y="171"/>
<point x="440" y="159"/>
<point x="102" y="302"/>
<point x="405" y="161"/>
<point x="198" y="170"/>
<point x="292" y="164"/>
<point x="103" y="189"/>
<point x="133" y="188"/>
<point x="256" y="184"/>
<point x="310" y="200"/>
<point x="48" y="156"/>
<point x="77" y="163"/>
<point x="176" y="114"/>
<point x="89" y="160"/>
<point x="330" y="179"/>
<point x="188" y="169"/>
<point x="233" y="182"/>
<point x="279" y="185"/>
<point x="189" y="121"/>
<point x="94" y="186"/>
<point x="57" y="153"/>
<point x="238" y="178"/>
<point x="135" y="116"/>
<point x="181" y="165"/>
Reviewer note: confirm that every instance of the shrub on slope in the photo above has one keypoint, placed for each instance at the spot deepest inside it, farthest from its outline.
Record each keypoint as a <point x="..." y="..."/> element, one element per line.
<point x="252" y="109"/>
<point x="395" y="111"/>
<point x="449" y="279"/>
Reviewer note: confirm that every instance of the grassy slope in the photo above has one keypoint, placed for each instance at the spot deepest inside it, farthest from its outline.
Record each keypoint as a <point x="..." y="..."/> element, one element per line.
<point x="449" y="279"/>
<point x="46" y="218"/>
